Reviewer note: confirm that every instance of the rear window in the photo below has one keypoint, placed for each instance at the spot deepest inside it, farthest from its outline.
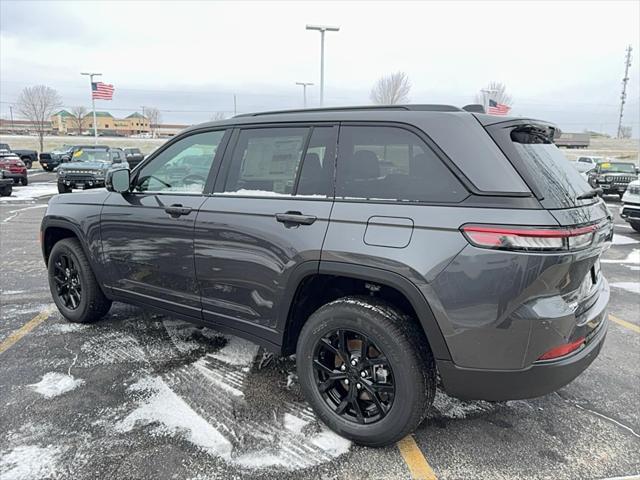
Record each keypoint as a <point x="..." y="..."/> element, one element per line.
<point x="548" y="172"/>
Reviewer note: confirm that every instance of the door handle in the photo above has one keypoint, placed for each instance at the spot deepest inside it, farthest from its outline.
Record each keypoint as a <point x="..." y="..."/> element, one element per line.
<point x="291" y="219"/>
<point x="177" y="210"/>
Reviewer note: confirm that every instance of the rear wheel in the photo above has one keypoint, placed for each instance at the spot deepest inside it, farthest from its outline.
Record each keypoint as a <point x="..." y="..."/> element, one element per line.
<point x="6" y="191"/>
<point x="24" y="181"/>
<point x="27" y="162"/>
<point x="635" y="226"/>
<point x="366" y="370"/>
<point x="73" y="285"/>
<point x="62" y="188"/>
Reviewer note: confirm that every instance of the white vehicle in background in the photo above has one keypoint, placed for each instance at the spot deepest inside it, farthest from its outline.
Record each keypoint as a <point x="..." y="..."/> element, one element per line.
<point x="585" y="163"/>
<point x="630" y="211"/>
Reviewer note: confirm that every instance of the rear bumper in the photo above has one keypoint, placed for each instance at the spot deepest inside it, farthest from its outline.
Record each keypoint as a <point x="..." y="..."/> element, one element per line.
<point x="538" y="379"/>
<point x="14" y="175"/>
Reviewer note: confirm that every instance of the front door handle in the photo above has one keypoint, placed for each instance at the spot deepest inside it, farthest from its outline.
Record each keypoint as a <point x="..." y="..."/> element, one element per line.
<point x="177" y="210"/>
<point x="293" y="219"/>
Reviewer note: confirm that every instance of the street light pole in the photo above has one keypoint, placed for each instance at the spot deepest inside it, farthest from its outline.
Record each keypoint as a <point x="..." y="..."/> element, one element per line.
<point x="93" y="104"/>
<point x="11" y="114"/>
<point x="322" y="29"/>
<point x="304" y="91"/>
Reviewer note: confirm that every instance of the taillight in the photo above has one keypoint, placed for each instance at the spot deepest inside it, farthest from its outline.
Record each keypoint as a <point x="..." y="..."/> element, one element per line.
<point x="562" y="350"/>
<point x="529" y="239"/>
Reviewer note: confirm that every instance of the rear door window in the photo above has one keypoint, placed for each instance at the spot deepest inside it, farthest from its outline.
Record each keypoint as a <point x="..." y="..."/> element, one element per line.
<point x="391" y="163"/>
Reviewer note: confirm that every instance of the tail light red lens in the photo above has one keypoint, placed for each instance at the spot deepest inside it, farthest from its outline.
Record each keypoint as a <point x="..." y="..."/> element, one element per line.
<point x="529" y="239"/>
<point x="562" y="350"/>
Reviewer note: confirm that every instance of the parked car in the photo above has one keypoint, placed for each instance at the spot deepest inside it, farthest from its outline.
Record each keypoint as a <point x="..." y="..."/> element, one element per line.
<point x="388" y="247"/>
<point x="14" y="168"/>
<point x="134" y="157"/>
<point x="27" y="156"/>
<point x="6" y="185"/>
<point x="585" y="163"/>
<point x="572" y="140"/>
<point x="88" y="167"/>
<point x="50" y="160"/>
<point x="613" y="177"/>
<point x="630" y="211"/>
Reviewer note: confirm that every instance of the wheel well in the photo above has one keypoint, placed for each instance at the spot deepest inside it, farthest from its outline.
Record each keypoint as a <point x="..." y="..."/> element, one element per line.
<point x="53" y="235"/>
<point x="317" y="290"/>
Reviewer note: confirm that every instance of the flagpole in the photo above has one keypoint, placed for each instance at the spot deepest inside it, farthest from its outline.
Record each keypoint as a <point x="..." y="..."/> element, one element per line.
<point x="93" y="104"/>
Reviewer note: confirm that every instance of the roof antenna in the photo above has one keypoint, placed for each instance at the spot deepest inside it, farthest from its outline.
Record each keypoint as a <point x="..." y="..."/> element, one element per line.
<point x="474" y="108"/>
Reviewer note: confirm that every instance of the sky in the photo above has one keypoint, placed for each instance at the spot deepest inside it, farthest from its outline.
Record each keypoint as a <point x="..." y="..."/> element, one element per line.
<point x="560" y="61"/>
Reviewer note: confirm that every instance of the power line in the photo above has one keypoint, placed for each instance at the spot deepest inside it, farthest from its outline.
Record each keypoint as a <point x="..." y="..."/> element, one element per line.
<point x="623" y="96"/>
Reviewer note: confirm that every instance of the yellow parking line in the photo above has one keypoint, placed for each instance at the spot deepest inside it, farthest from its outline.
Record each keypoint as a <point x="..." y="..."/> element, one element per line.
<point x="26" y="328"/>
<point x="631" y="326"/>
<point x="413" y="457"/>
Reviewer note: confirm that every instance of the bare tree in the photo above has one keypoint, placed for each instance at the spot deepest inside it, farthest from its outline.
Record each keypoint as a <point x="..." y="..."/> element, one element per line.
<point x="217" y="116"/>
<point x="154" y="117"/>
<point x="37" y="104"/>
<point x="391" y="89"/>
<point x="77" y="117"/>
<point x="496" y="91"/>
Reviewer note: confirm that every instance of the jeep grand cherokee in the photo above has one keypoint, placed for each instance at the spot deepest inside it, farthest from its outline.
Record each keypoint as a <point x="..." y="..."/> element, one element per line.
<point x="384" y="246"/>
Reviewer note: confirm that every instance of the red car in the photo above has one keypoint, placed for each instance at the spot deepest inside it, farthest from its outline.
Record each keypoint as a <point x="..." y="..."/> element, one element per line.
<point x="14" y="168"/>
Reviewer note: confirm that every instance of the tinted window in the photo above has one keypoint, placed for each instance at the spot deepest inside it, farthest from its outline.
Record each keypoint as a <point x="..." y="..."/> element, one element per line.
<point x="316" y="177"/>
<point x="392" y="163"/>
<point x="182" y="167"/>
<point x="265" y="161"/>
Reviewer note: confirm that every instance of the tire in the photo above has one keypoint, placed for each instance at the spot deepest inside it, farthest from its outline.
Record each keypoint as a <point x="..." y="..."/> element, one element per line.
<point x="6" y="191"/>
<point x="16" y="181"/>
<point x="399" y="339"/>
<point x="635" y="226"/>
<point x="92" y="304"/>
<point x="62" y="188"/>
<point x="27" y="162"/>
<point x="24" y="181"/>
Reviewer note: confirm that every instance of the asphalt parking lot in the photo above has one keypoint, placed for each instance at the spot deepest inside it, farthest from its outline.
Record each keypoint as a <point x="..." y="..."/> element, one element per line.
<point x="145" y="396"/>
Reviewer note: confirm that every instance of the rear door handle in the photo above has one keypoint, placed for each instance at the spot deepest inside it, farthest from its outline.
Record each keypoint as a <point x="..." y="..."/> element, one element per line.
<point x="177" y="210"/>
<point x="291" y="219"/>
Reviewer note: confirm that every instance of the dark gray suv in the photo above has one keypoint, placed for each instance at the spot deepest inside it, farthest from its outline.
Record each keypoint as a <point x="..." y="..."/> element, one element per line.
<point x="388" y="247"/>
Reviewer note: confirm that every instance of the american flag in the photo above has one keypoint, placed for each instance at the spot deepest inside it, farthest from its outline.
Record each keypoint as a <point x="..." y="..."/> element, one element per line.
<point x="496" y="108"/>
<point x="101" y="91"/>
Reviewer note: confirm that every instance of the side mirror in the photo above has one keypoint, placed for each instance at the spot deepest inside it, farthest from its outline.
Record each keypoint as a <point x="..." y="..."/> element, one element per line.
<point x="117" y="160"/>
<point x="118" y="180"/>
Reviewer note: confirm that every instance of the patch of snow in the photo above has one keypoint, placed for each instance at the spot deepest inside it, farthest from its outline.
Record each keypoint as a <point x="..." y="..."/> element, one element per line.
<point x="31" y="192"/>
<point x="623" y="240"/>
<point x="237" y="352"/>
<point x="27" y="462"/>
<point x="633" y="258"/>
<point x="12" y="292"/>
<point x="294" y="424"/>
<point x="218" y="380"/>
<point x="450" y="407"/>
<point x="172" y="415"/>
<point x="331" y="442"/>
<point x="54" y="384"/>
<point x="64" y="328"/>
<point x="633" y="287"/>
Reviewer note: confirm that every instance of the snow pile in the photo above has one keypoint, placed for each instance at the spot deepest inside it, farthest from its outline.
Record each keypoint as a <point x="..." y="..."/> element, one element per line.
<point x="31" y="192"/>
<point x="28" y="462"/>
<point x="623" y="240"/>
<point x="450" y="407"/>
<point x="173" y="415"/>
<point x="54" y="384"/>
<point x="633" y="287"/>
<point x="237" y="351"/>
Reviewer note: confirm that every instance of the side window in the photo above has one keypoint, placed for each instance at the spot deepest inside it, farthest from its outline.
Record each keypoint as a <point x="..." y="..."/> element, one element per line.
<point x="265" y="161"/>
<point x="391" y="163"/>
<point x="181" y="168"/>
<point x="316" y="177"/>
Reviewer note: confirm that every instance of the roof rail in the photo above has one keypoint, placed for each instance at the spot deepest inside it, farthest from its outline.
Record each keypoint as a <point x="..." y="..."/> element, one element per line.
<point x="417" y="107"/>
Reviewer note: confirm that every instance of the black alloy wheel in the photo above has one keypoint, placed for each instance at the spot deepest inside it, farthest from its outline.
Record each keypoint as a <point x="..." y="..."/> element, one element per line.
<point x="67" y="281"/>
<point x="353" y="376"/>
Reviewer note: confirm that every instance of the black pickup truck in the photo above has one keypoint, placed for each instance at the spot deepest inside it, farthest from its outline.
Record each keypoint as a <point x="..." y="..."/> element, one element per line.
<point x="27" y="156"/>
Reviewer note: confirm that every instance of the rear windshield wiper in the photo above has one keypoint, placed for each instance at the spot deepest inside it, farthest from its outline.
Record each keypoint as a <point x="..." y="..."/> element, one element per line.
<point x="590" y="194"/>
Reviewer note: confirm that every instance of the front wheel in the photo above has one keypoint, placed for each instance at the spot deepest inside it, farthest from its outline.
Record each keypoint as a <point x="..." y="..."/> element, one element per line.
<point x="24" y="181"/>
<point x="6" y="191"/>
<point x="62" y="188"/>
<point x="27" y="163"/>
<point x="73" y="285"/>
<point x="366" y="369"/>
<point x="635" y="226"/>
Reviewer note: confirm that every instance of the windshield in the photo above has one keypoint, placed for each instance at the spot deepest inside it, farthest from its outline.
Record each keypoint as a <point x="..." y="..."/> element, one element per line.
<point x="87" y="155"/>
<point x="610" y="167"/>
